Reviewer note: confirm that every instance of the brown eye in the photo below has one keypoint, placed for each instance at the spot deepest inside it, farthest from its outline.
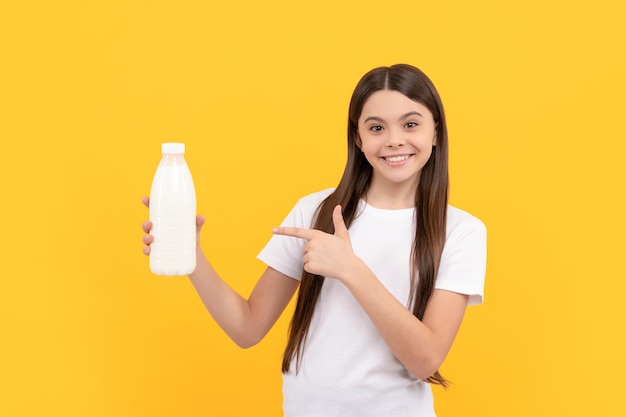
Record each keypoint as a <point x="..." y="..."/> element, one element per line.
<point x="376" y="128"/>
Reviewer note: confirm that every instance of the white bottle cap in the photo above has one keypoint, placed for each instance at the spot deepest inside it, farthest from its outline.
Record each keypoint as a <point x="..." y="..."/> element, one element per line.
<point x="173" y="147"/>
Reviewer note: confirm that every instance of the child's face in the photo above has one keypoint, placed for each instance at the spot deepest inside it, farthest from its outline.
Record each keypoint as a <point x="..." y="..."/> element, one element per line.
<point x="396" y="136"/>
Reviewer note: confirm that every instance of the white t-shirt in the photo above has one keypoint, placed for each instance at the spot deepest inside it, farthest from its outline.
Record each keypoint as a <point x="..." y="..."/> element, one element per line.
<point x="347" y="369"/>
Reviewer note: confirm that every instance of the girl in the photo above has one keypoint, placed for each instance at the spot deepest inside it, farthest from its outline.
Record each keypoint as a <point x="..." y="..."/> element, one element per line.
<point x="384" y="266"/>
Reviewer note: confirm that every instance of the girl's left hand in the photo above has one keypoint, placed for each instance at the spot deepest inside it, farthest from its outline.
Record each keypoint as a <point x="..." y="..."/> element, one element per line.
<point x="325" y="254"/>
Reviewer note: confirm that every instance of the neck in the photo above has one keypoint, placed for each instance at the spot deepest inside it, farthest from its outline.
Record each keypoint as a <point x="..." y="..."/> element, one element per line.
<point x="391" y="196"/>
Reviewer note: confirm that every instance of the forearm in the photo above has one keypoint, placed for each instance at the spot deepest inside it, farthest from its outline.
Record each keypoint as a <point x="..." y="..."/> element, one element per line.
<point x="230" y="310"/>
<point x="415" y="345"/>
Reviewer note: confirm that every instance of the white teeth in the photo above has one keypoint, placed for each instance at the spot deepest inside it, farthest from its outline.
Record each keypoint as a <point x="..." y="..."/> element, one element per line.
<point x="397" y="158"/>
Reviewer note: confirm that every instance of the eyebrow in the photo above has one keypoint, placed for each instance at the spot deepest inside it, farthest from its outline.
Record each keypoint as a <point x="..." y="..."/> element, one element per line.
<point x="404" y="116"/>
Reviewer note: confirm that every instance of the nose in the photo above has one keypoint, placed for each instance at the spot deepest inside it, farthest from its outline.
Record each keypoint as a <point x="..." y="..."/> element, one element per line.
<point x="395" y="139"/>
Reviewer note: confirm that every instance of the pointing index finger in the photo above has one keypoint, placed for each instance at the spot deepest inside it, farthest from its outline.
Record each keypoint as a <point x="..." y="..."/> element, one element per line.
<point x="307" y="234"/>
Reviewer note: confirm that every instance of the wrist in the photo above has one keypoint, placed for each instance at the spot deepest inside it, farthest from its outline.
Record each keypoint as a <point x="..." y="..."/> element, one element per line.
<point x="355" y="273"/>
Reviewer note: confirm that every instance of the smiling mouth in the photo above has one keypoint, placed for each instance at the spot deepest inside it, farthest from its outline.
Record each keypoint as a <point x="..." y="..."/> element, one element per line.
<point x="396" y="159"/>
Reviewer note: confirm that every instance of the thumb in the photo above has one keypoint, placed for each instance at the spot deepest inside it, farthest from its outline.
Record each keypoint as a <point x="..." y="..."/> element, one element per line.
<point x="199" y="222"/>
<point x="340" y="226"/>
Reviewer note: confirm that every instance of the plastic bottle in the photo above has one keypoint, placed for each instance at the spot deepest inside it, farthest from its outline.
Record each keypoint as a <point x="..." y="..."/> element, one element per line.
<point x="173" y="214"/>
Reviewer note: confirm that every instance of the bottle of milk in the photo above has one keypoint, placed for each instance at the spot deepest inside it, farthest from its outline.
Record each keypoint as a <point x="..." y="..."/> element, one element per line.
<point x="173" y="214"/>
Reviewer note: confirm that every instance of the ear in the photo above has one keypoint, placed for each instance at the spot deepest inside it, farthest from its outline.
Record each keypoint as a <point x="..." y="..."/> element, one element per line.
<point x="357" y="139"/>
<point x="435" y="139"/>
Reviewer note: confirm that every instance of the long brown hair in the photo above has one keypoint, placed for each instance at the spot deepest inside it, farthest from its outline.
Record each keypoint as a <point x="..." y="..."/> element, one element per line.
<point x="431" y="201"/>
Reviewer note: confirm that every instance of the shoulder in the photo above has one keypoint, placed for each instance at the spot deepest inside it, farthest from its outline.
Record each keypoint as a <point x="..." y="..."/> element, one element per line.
<point x="312" y="201"/>
<point x="309" y="203"/>
<point x="460" y="221"/>
<point x="464" y="256"/>
<point x="303" y="212"/>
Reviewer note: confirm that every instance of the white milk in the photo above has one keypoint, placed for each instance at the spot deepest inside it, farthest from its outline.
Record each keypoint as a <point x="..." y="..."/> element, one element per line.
<point x="173" y="214"/>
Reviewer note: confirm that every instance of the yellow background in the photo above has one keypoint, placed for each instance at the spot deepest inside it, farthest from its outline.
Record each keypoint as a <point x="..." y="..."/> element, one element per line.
<point x="534" y="93"/>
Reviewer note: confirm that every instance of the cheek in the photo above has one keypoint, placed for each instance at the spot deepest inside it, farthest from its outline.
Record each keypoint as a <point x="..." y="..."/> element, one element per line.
<point x="428" y="140"/>
<point x="370" y="154"/>
<point x="369" y="148"/>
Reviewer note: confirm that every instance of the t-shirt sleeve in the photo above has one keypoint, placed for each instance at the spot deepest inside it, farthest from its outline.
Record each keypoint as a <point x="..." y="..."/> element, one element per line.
<point x="463" y="261"/>
<point x="284" y="253"/>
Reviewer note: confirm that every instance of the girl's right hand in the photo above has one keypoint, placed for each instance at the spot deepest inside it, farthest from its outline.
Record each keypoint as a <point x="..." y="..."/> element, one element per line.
<point x="147" y="226"/>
